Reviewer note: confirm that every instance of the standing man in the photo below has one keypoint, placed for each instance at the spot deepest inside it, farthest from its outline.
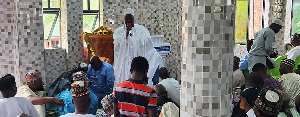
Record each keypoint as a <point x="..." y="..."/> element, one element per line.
<point x="133" y="98"/>
<point x="102" y="76"/>
<point x="262" y="46"/>
<point x="132" y="40"/>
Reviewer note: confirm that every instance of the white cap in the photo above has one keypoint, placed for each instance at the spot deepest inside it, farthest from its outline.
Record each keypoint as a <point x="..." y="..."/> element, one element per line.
<point x="277" y="21"/>
<point x="129" y="11"/>
<point x="272" y="96"/>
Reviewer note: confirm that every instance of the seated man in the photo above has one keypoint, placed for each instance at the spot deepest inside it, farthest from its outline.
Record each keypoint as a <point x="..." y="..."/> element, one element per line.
<point x="107" y="104"/>
<point x="81" y="99"/>
<point x="289" y="80"/>
<point x="253" y="84"/>
<point x="33" y="91"/>
<point x="66" y="96"/>
<point x="11" y="106"/>
<point x="270" y="103"/>
<point x="102" y="76"/>
<point x="238" y="76"/>
<point x="133" y="97"/>
<point x="269" y="81"/>
<point x="294" y="52"/>
<point x="172" y="86"/>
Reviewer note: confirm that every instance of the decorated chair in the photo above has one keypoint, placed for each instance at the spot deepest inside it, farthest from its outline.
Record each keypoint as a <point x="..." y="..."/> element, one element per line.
<point x="99" y="43"/>
<point x="275" y="71"/>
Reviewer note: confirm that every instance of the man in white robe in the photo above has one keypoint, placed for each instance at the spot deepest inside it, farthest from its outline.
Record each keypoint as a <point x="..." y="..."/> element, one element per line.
<point x="11" y="106"/>
<point x="133" y="40"/>
<point x="294" y="52"/>
<point x="262" y="46"/>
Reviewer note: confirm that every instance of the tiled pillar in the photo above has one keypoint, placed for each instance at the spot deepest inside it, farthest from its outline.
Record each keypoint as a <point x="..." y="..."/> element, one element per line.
<point x="7" y="39"/>
<point x="279" y="14"/>
<point x="29" y="46"/>
<point x="71" y="31"/>
<point x="207" y="58"/>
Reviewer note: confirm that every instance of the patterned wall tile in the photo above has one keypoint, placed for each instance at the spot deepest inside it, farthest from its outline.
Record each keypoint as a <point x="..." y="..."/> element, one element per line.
<point x="166" y="12"/>
<point x="55" y="64"/>
<point x="207" y="57"/>
<point x="71" y="31"/>
<point x="30" y="37"/>
<point x="7" y="27"/>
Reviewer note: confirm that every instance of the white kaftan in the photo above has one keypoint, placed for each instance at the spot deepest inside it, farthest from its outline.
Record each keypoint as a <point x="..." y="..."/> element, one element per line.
<point x="137" y="44"/>
<point x="14" y="106"/>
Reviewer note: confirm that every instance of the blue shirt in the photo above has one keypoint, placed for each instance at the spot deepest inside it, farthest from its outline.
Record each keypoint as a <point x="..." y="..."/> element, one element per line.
<point x="103" y="80"/>
<point x="244" y="63"/>
<point x="66" y="96"/>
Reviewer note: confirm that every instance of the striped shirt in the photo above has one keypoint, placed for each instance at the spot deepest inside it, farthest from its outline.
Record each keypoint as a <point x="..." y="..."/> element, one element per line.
<point x="134" y="98"/>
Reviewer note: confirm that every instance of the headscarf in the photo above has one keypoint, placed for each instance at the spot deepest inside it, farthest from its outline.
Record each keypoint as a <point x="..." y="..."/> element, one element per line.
<point x="269" y="102"/>
<point x="32" y="75"/>
<point x="6" y="82"/>
<point x="288" y="62"/>
<point x="107" y="101"/>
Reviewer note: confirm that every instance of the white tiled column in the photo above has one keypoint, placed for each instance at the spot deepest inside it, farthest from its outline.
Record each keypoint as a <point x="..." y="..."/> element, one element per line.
<point x="71" y="31"/>
<point x="29" y="43"/>
<point x="207" y="58"/>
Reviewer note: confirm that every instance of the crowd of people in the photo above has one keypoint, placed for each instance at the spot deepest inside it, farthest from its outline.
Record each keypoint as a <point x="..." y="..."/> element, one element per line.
<point x="262" y="95"/>
<point x="130" y="87"/>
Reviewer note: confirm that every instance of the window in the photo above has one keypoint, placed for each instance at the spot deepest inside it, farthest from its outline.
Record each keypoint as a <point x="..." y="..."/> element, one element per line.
<point x="90" y="16"/>
<point x="241" y="21"/>
<point x="296" y="17"/>
<point x="51" y="14"/>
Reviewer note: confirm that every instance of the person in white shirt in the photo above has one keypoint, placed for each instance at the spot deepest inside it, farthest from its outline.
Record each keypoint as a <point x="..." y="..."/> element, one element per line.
<point x="133" y="40"/>
<point x="294" y="52"/>
<point x="172" y="86"/>
<point x="81" y="99"/>
<point x="11" y="106"/>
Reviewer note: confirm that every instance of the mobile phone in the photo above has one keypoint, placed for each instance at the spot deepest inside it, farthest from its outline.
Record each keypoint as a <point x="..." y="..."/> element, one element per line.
<point x="237" y="93"/>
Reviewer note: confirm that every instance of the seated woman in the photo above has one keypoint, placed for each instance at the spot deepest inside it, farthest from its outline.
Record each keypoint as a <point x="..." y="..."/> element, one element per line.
<point x="270" y="103"/>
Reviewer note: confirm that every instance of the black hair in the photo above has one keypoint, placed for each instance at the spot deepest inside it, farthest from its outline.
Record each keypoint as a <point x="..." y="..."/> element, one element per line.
<point x="236" y="59"/>
<point x="139" y="64"/>
<point x="254" y="78"/>
<point x="259" y="67"/>
<point x="6" y="82"/>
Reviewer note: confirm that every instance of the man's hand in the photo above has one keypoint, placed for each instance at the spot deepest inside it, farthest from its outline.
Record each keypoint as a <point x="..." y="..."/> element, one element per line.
<point x="244" y="104"/>
<point x="59" y="101"/>
<point x="128" y="28"/>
